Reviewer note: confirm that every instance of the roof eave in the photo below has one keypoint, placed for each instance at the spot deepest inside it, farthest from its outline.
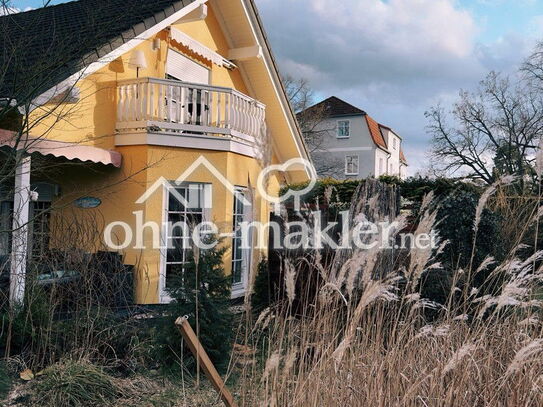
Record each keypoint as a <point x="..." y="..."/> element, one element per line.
<point x="119" y="45"/>
<point x="278" y="82"/>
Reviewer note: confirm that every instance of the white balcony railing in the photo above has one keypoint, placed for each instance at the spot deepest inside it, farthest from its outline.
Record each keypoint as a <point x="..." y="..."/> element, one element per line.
<point x="172" y="106"/>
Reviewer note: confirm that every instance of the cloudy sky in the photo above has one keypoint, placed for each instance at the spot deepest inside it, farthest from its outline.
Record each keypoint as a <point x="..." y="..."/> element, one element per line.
<point x="396" y="58"/>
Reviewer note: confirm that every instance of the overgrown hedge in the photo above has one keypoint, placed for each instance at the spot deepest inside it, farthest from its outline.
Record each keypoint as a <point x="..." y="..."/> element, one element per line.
<point x="456" y="202"/>
<point x="412" y="189"/>
<point x="342" y="190"/>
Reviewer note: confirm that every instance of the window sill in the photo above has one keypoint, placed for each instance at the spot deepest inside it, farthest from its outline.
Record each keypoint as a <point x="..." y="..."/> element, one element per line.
<point x="238" y="291"/>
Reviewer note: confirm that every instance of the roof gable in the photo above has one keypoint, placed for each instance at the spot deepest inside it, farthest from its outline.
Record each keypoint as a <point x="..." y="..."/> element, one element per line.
<point x="85" y="33"/>
<point x="42" y="47"/>
<point x="375" y="132"/>
<point x="243" y="27"/>
<point x="333" y="107"/>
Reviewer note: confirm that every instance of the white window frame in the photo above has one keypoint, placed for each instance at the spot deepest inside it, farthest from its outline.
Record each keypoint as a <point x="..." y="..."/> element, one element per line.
<point x="163" y="294"/>
<point x="245" y="256"/>
<point x="347" y="165"/>
<point x="348" y="129"/>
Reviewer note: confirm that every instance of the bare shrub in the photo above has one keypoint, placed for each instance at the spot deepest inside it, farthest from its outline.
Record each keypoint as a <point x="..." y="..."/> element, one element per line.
<point x="73" y="291"/>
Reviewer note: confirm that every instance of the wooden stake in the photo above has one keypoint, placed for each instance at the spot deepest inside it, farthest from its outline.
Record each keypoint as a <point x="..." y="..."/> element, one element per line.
<point x="200" y="354"/>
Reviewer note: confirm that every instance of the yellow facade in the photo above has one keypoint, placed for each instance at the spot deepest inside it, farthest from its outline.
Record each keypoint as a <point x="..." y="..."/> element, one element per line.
<point x="92" y="121"/>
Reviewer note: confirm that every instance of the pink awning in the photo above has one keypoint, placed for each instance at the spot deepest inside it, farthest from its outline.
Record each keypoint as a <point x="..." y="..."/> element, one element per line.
<point x="61" y="149"/>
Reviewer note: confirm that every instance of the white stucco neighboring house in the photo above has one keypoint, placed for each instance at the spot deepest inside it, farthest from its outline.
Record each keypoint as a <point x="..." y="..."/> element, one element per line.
<point x="346" y="143"/>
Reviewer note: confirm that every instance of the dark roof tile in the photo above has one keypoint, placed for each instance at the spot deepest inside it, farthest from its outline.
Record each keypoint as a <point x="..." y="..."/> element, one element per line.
<point x="333" y="107"/>
<point x="42" y="47"/>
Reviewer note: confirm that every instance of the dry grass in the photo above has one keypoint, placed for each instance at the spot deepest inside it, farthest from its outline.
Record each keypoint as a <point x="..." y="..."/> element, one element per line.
<point x="372" y="346"/>
<point x="364" y="339"/>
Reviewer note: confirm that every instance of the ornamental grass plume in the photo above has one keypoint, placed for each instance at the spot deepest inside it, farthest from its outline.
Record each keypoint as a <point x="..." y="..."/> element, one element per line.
<point x="372" y="343"/>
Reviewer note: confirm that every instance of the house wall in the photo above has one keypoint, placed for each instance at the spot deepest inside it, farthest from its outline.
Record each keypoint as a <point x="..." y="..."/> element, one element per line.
<point x="92" y="121"/>
<point x="394" y="158"/>
<point x="381" y="157"/>
<point x="334" y="150"/>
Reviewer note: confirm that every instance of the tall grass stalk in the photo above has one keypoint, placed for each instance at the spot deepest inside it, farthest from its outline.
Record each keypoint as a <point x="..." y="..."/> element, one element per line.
<point x="365" y="338"/>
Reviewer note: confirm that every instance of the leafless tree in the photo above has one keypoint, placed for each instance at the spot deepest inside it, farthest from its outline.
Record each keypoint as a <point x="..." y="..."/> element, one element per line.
<point x="490" y="132"/>
<point x="312" y="120"/>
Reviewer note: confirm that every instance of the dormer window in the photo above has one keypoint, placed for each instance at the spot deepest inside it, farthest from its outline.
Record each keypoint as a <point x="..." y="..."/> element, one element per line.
<point x="343" y="129"/>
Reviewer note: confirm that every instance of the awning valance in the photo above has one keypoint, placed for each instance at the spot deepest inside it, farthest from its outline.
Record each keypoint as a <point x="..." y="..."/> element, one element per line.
<point x="60" y="149"/>
<point x="200" y="49"/>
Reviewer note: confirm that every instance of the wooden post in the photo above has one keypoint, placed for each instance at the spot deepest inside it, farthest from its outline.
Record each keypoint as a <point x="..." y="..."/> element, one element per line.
<point x="200" y="354"/>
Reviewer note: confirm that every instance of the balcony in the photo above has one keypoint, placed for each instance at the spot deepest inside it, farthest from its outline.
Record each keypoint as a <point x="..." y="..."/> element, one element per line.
<point x="175" y="108"/>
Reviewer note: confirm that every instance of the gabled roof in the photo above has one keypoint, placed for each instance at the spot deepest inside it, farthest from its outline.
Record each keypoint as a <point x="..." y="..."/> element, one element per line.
<point x="375" y="132"/>
<point x="390" y="129"/>
<point x="64" y="43"/>
<point x="43" y="47"/>
<point x="334" y="107"/>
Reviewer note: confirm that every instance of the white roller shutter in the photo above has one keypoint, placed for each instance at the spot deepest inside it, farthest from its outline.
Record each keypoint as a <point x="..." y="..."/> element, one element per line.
<point x="185" y="69"/>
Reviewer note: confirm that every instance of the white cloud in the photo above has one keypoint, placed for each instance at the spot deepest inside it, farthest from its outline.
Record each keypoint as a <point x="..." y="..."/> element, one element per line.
<point x="355" y="42"/>
<point x="392" y="58"/>
<point x="433" y="25"/>
<point x="5" y="10"/>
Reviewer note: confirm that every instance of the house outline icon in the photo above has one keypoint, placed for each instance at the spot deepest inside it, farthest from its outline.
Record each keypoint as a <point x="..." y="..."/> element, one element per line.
<point x="163" y="182"/>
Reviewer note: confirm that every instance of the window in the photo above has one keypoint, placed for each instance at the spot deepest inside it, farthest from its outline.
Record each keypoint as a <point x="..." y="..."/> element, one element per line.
<point x="394" y="142"/>
<point x="343" y="129"/>
<point x="192" y="106"/>
<point x="186" y="208"/>
<point x="351" y="165"/>
<point x="39" y="229"/>
<point x="6" y="220"/>
<point x="238" y="254"/>
<point x="381" y="166"/>
<point x="391" y="171"/>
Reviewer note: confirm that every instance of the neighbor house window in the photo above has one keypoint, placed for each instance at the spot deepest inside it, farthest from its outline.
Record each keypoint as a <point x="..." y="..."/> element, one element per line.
<point x="186" y="208"/>
<point x="381" y="166"/>
<point x="351" y="165"/>
<point x="239" y="255"/>
<point x="343" y="129"/>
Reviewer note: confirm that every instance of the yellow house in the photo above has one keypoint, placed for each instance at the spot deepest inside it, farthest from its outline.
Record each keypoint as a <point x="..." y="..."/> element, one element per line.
<point x="140" y="103"/>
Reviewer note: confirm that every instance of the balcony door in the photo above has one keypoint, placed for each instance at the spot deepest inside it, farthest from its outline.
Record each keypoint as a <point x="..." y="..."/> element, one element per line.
<point x="194" y="103"/>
